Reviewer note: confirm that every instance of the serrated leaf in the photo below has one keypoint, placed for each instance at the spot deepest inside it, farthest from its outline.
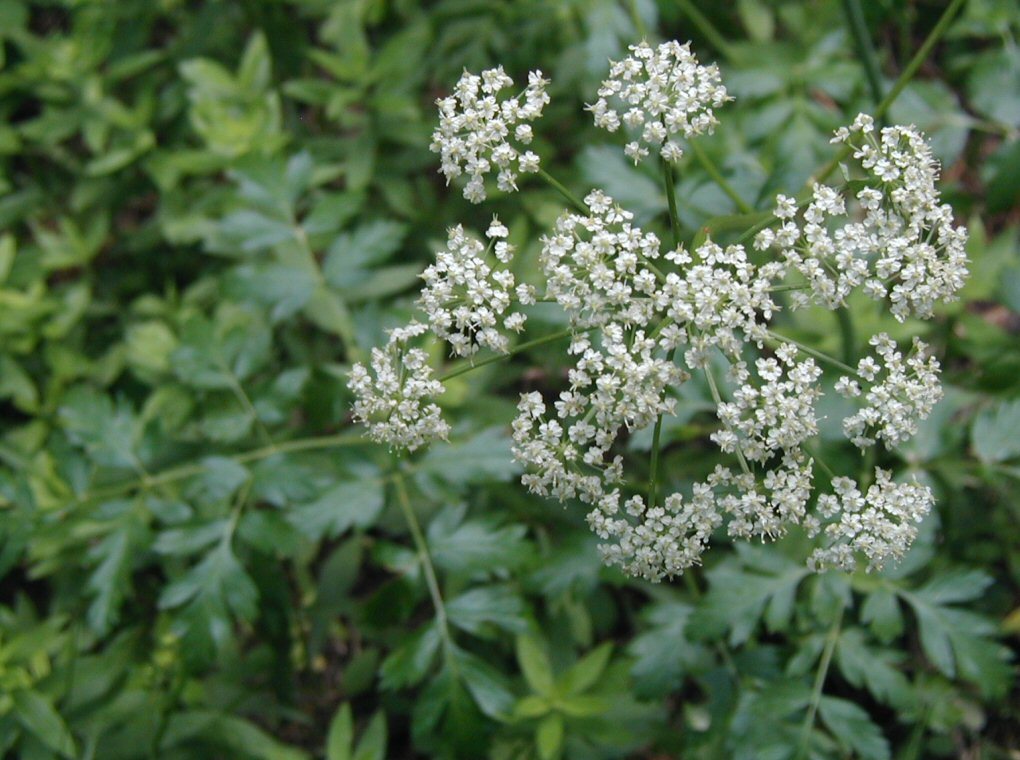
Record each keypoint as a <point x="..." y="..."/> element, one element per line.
<point x="994" y="432"/>
<point x="483" y="457"/>
<point x="853" y="728"/>
<point x="479" y="546"/>
<point x="662" y="652"/>
<point x="341" y="734"/>
<point x="882" y="612"/>
<point x="488" y="686"/>
<point x="496" y="605"/>
<point x="37" y="715"/>
<point x="535" y="665"/>
<point x="584" y="673"/>
<point x="959" y="642"/>
<point x="876" y="669"/>
<point x="352" y="255"/>
<point x="410" y="662"/>
<point x="372" y="745"/>
<point x="355" y="503"/>
<point x="549" y="736"/>
<point x="738" y="599"/>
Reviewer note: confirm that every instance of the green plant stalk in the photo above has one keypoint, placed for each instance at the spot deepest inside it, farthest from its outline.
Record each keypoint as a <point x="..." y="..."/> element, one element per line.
<point x="713" y="171"/>
<point x="902" y="81"/>
<point x="635" y="17"/>
<point x="831" y="639"/>
<point x="422" y="547"/>
<point x="669" y="182"/>
<point x="183" y="472"/>
<point x="813" y="352"/>
<point x="512" y="352"/>
<point x="847" y="335"/>
<point x="674" y="224"/>
<point x="717" y="398"/>
<point x="706" y="28"/>
<point x="865" y="49"/>
<point x="559" y="187"/>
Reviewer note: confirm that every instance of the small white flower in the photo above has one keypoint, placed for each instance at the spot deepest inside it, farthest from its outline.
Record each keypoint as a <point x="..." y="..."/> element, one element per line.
<point x="663" y="92"/>
<point x="476" y="124"/>
<point x="393" y="399"/>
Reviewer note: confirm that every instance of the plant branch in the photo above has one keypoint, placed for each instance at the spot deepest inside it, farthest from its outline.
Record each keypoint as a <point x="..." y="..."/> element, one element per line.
<point x="831" y="639"/>
<point x="713" y="171"/>
<point x="901" y="82"/>
<point x="512" y="352"/>
<point x="707" y="29"/>
<point x="865" y="49"/>
<point x="813" y="352"/>
<point x="429" y="570"/>
<point x="559" y="187"/>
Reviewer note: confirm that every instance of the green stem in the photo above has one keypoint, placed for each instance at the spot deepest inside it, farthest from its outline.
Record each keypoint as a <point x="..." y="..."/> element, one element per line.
<point x="847" y="335"/>
<point x="653" y="468"/>
<point x="669" y="182"/>
<point x="813" y="352"/>
<point x="422" y="546"/>
<point x="639" y="23"/>
<point x="558" y="186"/>
<point x="713" y="171"/>
<point x="865" y="48"/>
<point x="717" y="398"/>
<point x="190" y="470"/>
<point x="512" y="352"/>
<point x="904" y="79"/>
<point x="707" y="29"/>
<point x="831" y="639"/>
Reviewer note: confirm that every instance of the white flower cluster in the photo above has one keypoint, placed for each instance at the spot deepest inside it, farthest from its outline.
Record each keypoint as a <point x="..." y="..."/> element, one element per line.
<point x="597" y="267"/>
<point x="394" y="400"/>
<point x="905" y="248"/>
<point x="777" y="417"/>
<point x="466" y="302"/>
<point x="466" y="299"/>
<point x="664" y="93"/>
<point x="643" y="320"/>
<point x="479" y="128"/>
<point x="881" y="525"/>
<point x="900" y="393"/>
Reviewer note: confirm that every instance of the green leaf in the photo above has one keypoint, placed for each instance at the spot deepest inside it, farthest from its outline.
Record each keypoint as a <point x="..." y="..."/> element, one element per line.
<point x="583" y="674"/>
<point x="549" y="736"/>
<point x="737" y="599"/>
<point x="853" y="728"/>
<point x="662" y="652"/>
<point x="37" y="715"/>
<point x="535" y="665"/>
<point x="485" y="456"/>
<point x="341" y="734"/>
<point x="959" y="642"/>
<point x="372" y="745"/>
<point x="994" y="432"/>
<point x="409" y="663"/>
<point x="498" y="605"/>
<point x="354" y="503"/>
<point x="488" y="686"/>
<point x="108" y="431"/>
<point x="351" y="254"/>
<point x="476" y="547"/>
<point x="241" y="737"/>
<point x="882" y="611"/>
<point x="876" y="669"/>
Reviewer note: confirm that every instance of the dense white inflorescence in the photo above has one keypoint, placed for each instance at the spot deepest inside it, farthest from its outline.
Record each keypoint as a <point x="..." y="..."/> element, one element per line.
<point x="661" y="93"/>
<point x="644" y="320"/>
<point x="466" y="299"/>
<point x="394" y="399"/>
<point x="481" y="129"/>
<point x="899" y="393"/>
<point x="904" y="248"/>
<point x="881" y="525"/>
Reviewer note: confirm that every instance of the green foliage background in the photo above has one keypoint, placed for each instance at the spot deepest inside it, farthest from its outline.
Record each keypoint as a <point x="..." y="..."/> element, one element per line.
<point x="209" y="209"/>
